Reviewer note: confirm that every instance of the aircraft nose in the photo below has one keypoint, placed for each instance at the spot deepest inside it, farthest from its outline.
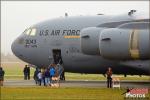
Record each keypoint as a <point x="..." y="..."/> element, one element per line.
<point x="16" y="47"/>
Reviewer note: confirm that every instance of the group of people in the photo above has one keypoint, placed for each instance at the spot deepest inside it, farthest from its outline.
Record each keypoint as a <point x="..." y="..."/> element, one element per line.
<point x="45" y="75"/>
<point x="26" y="72"/>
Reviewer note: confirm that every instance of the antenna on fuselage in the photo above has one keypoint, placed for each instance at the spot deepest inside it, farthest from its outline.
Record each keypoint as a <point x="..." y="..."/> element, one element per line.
<point x="131" y="12"/>
<point x="100" y="14"/>
<point x="66" y="14"/>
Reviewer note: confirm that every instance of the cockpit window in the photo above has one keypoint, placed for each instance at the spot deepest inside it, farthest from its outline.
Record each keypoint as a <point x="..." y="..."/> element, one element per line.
<point x="33" y="32"/>
<point x="30" y="31"/>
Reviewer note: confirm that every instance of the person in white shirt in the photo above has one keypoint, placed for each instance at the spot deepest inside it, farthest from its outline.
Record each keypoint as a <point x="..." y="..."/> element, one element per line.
<point x="39" y="77"/>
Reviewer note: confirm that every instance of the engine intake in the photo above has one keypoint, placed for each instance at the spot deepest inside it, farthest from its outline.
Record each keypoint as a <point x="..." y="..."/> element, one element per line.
<point x="90" y="40"/>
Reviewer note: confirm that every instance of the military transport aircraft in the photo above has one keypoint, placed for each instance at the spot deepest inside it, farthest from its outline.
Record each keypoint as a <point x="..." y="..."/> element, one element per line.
<point x="89" y="44"/>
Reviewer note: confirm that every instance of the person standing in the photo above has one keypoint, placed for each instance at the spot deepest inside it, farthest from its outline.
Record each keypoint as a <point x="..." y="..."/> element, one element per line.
<point x="2" y="73"/>
<point x="39" y="78"/>
<point x="43" y="75"/>
<point x="109" y="78"/>
<point x="52" y="73"/>
<point x="47" y="77"/>
<point x="61" y="72"/>
<point x="25" y="71"/>
<point x="35" y="77"/>
<point x="28" y="72"/>
<point x="62" y="76"/>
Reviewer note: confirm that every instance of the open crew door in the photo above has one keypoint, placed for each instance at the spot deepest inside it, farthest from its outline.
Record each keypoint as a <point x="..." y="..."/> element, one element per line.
<point x="57" y="56"/>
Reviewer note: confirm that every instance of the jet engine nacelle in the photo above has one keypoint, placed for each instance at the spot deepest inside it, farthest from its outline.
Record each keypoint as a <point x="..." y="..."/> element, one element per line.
<point x="123" y="44"/>
<point x="90" y="40"/>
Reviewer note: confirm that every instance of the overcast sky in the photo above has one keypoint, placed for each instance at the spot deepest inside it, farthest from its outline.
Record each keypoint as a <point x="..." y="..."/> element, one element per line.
<point x="17" y="16"/>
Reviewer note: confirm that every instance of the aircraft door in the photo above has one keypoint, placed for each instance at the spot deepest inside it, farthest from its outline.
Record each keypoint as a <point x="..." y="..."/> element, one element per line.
<point x="57" y="56"/>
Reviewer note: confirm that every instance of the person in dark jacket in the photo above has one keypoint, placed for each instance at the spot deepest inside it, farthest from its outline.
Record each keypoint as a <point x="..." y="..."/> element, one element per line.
<point x="25" y="71"/>
<point x="2" y="73"/>
<point x="35" y="77"/>
<point x="47" y="77"/>
<point x="28" y="73"/>
<point x="43" y="75"/>
<point x="109" y="78"/>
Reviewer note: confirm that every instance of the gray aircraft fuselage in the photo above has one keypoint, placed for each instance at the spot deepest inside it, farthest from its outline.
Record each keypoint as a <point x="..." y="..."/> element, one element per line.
<point x="37" y="43"/>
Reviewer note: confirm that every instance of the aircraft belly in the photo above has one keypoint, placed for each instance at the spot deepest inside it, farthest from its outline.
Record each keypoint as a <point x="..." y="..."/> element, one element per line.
<point x="95" y="64"/>
<point x="143" y="66"/>
<point x="86" y="64"/>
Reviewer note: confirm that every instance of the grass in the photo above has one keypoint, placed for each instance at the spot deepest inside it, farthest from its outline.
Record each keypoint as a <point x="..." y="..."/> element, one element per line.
<point x="42" y="93"/>
<point x="71" y="93"/>
<point x="15" y="71"/>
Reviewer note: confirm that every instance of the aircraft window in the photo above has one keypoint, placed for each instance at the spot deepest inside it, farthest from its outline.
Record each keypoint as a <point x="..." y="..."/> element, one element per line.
<point x="30" y="31"/>
<point x="33" y="32"/>
<point x="27" y="31"/>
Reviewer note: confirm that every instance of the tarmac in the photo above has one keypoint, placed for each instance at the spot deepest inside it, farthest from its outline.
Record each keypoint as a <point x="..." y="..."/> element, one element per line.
<point x="78" y="83"/>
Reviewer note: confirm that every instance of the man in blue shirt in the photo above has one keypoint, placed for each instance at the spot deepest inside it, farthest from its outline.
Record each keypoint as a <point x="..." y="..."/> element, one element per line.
<point x="52" y="73"/>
